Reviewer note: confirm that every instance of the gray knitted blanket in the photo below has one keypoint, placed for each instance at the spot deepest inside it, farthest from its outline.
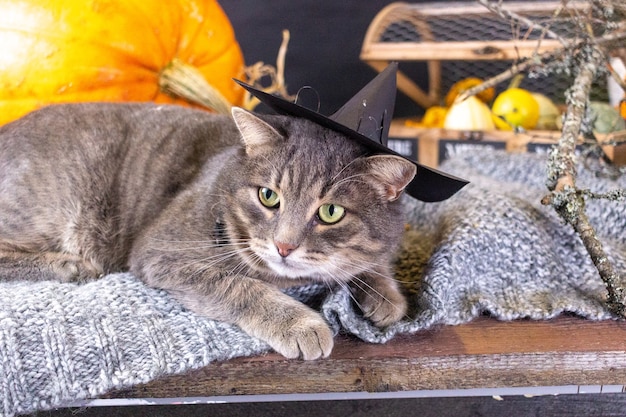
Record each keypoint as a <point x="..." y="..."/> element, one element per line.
<point x="492" y="248"/>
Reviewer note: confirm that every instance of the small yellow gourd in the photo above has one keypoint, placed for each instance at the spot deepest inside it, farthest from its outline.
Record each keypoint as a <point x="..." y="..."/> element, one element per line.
<point x="434" y="116"/>
<point x="470" y="114"/>
<point x="548" y="112"/>
<point x="517" y="107"/>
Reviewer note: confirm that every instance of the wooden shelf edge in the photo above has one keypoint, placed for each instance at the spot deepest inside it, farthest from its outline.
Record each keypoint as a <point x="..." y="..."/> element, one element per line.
<point x="451" y="51"/>
<point x="482" y="354"/>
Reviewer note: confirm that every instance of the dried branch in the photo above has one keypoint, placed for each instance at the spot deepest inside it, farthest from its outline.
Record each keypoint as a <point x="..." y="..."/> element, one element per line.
<point x="516" y="18"/>
<point x="607" y="41"/>
<point x="567" y="200"/>
<point x="564" y="171"/>
<point x="513" y="70"/>
<point x="276" y="74"/>
<point x="587" y="58"/>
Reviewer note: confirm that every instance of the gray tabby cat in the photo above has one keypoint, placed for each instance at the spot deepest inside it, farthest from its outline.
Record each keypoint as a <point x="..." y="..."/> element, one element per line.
<point x="221" y="212"/>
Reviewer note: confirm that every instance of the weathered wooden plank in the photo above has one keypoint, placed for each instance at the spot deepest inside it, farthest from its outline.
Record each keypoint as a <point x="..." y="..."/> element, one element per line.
<point x="483" y="354"/>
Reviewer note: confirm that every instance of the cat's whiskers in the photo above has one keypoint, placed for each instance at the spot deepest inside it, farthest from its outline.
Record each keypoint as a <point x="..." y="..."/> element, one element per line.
<point x="371" y="267"/>
<point x="362" y="284"/>
<point x="249" y="259"/>
<point x="253" y="259"/>
<point x="343" y="169"/>
<point x="235" y="270"/>
<point x="203" y="263"/>
<point x="178" y="241"/>
<point x="200" y="266"/>
<point x="186" y="245"/>
<point x="199" y="246"/>
<point x="330" y="274"/>
<point x="212" y="260"/>
<point x="231" y="272"/>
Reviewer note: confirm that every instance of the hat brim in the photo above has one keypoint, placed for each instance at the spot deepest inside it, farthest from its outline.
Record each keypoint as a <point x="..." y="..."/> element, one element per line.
<point x="429" y="184"/>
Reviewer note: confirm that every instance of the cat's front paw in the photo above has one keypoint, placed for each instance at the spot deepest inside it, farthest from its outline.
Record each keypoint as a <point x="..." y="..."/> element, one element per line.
<point x="298" y="333"/>
<point x="383" y="307"/>
<point x="307" y="337"/>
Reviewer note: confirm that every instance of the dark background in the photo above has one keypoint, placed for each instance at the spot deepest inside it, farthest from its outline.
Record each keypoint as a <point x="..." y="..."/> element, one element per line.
<point x="323" y="53"/>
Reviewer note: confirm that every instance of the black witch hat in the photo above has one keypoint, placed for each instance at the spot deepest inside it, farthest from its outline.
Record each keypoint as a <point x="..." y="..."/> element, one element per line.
<point x="366" y="118"/>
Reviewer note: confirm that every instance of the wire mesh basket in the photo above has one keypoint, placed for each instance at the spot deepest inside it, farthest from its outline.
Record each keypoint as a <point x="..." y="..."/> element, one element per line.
<point x="459" y="40"/>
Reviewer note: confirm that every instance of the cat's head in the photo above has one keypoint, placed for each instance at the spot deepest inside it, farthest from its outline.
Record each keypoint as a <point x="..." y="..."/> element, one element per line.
<point x="309" y="202"/>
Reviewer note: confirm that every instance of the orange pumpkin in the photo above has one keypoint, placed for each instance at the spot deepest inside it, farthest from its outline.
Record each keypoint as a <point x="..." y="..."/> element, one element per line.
<point x="54" y="51"/>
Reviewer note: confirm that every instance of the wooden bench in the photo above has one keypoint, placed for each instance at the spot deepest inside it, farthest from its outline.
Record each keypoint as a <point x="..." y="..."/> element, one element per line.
<point x="485" y="353"/>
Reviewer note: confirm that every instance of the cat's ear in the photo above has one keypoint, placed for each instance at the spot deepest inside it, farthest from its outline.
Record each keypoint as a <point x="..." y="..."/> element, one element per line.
<point x="391" y="174"/>
<point x="254" y="131"/>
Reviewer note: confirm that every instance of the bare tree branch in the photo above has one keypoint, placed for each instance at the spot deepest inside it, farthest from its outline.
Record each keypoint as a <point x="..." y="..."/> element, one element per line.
<point x="586" y="56"/>
<point x="515" y="68"/>
<point x="567" y="200"/>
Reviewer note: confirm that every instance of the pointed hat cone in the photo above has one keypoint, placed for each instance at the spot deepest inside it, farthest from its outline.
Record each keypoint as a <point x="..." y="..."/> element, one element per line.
<point x="369" y="111"/>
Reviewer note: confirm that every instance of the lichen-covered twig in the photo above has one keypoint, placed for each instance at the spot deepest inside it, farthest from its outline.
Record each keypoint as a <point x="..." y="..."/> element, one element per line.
<point x="567" y="200"/>
<point x="585" y="56"/>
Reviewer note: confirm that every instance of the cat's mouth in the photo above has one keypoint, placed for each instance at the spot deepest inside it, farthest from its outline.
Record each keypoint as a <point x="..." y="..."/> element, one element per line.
<point x="290" y="268"/>
<point x="294" y="266"/>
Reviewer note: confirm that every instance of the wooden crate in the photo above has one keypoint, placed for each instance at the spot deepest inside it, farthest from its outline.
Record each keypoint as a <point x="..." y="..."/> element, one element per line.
<point x="457" y="40"/>
<point x="430" y="146"/>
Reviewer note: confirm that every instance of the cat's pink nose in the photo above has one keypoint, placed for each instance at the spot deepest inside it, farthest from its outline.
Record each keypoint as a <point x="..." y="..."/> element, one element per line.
<point x="284" y="249"/>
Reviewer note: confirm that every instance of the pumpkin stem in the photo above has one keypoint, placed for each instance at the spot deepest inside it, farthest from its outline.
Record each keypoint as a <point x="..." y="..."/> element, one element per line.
<point x="178" y="79"/>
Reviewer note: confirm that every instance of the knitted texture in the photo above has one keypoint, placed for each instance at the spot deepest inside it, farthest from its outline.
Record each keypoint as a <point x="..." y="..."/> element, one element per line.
<point x="495" y="249"/>
<point x="492" y="248"/>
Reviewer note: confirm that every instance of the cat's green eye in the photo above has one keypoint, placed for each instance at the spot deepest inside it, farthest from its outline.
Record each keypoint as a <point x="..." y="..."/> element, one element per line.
<point x="330" y="213"/>
<point x="269" y="198"/>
